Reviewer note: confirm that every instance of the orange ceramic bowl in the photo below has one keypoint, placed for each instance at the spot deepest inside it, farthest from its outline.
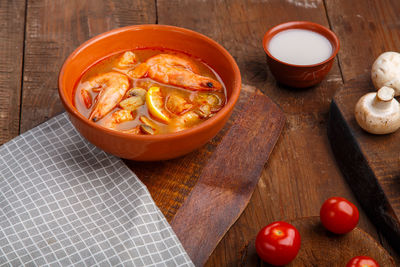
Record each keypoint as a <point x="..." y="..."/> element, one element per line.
<point x="300" y="75"/>
<point x="144" y="147"/>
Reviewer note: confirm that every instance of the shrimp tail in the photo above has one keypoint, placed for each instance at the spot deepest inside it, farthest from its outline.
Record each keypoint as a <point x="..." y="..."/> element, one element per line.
<point x="87" y="98"/>
<point x="139" y="72"/>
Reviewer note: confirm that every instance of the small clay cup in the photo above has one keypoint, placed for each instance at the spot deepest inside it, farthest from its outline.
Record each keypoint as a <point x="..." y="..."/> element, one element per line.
<point x="145" y="147"/>
<point x="300" y="76"/>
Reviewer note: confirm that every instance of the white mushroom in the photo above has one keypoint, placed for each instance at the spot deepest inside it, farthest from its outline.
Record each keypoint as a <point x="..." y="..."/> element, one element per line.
<point x="378" y="113"/>
<point x="386" y="71"/>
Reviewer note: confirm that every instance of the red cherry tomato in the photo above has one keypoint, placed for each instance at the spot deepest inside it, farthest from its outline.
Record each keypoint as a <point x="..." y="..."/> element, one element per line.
<point x="339" y="215"/>
<point x="278" y="243"/>
<point x="362" y="261"/>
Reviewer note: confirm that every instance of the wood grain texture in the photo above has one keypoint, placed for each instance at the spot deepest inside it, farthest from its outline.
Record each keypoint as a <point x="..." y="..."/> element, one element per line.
<point x="51" y="38"/>
<point x="229" y="178"/>
<point x="324" y="249"/>
<point x="170" y="182"/>
<point x="53" y="30"/>
<point x="366" y="28"/>
<point x="301" y="172"/>
<point x="12" y="23"/>
<point x="208" y="189"/>
<point x="370" y="163"/>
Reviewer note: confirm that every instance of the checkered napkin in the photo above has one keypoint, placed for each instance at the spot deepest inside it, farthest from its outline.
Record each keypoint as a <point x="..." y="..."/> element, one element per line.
<point x="65" y="202"/>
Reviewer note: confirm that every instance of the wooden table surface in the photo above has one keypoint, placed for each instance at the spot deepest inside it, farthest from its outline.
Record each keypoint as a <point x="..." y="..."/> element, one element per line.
<point x="37" y="35"/>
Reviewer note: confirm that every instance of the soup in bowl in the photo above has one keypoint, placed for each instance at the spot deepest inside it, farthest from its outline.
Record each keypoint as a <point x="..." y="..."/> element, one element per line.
<point x="149" y="92"/>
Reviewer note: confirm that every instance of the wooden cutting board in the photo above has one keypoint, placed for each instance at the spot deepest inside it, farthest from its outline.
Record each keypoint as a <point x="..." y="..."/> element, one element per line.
<point x="321" y="248"/>
<point x="203" y="193"/>
<point x="370" y="163"/>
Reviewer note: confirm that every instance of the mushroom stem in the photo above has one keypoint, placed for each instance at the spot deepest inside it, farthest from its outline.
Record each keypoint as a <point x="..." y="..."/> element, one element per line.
<point x="384" y="98"/>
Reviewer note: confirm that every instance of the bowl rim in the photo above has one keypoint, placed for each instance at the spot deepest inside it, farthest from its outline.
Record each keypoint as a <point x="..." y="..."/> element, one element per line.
<point x="220" y="115"/>
<point x="301" y="24"/>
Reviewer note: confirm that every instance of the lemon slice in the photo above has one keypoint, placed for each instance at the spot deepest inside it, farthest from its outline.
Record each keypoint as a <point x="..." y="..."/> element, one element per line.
<point x="155" y="104"/>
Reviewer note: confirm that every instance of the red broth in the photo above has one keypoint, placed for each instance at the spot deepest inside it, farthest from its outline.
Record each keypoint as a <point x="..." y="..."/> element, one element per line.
<point x="150" y="105"/>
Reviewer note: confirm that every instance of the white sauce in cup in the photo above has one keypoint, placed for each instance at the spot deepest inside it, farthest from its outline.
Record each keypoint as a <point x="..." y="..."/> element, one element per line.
<point x="300" y="47"/>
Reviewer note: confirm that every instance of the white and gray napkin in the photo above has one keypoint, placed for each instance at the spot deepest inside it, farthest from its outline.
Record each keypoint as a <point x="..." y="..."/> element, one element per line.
<point x="65" y="202"/>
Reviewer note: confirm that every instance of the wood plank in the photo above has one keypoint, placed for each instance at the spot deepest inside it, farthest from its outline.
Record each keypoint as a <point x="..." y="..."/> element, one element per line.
<point x="322" y="248"/>
<point x="239" y="26"/>
<point x="171" y="181"/>
<point x="12" y="21"/>
<point x="366" y="29"/>
<point x="301" y="172"/>
<point x="201" y="187"/>
<point x="370" y="163"/>
<point x="54" y="29"/>
<point x="229" y="178"/>
<point x="49" y="41"/>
